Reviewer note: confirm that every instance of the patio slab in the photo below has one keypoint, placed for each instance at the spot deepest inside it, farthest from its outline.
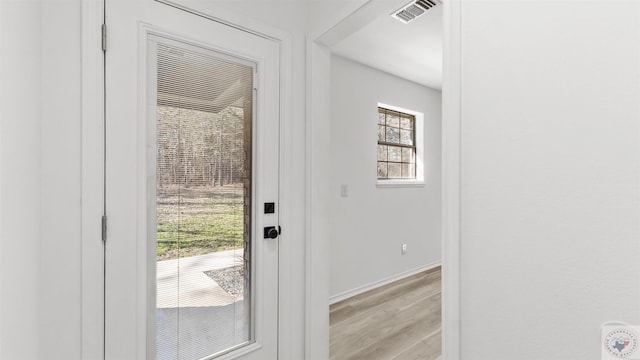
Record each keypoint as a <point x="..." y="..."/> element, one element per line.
<point x="183" y="282"/>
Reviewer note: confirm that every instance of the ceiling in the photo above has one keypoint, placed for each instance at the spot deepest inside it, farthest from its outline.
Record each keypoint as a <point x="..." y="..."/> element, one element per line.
<point x="198" y="80"/>
<point x="411" y="51"/>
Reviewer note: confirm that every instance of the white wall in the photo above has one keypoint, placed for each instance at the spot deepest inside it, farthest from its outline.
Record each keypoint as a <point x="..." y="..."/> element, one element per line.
<point x="20" y="144"/>
<point x="369" y="226"/>
<point x="40" y="180"/>
<point x="305" y="16"/>
<point x="550" y="176"/>
<point x="60" y="260"/>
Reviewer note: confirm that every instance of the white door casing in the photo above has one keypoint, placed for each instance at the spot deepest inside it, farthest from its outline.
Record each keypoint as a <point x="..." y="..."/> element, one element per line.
<point x="129" y="265"/>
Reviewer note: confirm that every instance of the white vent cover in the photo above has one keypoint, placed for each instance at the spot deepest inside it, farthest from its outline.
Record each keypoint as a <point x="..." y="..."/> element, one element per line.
<point x="412" y="10"/>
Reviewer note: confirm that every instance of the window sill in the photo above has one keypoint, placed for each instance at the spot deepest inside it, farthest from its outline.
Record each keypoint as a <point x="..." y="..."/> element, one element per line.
<point x="400" y="183"/>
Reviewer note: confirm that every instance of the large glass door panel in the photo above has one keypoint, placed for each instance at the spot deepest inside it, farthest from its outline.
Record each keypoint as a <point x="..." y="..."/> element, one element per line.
<point x="203" y="201"/>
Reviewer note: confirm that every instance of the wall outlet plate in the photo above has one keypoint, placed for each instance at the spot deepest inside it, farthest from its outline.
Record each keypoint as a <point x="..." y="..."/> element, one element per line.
<point x="404" y="249"/>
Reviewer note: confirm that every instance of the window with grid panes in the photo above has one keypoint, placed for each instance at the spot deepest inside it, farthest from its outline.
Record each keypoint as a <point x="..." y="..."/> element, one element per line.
<point x="396" y="145"/>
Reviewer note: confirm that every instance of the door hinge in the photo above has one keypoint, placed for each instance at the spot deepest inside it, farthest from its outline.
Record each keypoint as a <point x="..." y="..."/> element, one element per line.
<point x="104" y="37"/>
<point x="104" y="228"/>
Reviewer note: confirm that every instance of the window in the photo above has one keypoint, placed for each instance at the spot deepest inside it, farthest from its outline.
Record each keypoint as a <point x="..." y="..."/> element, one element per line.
<point x="396" y="145"/>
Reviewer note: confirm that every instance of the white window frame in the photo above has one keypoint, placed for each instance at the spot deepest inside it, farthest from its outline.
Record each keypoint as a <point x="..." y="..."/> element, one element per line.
<point x="419" y="138"/>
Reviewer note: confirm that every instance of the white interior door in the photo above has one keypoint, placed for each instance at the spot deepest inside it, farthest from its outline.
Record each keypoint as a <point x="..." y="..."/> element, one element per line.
<point x="191" y="165"/>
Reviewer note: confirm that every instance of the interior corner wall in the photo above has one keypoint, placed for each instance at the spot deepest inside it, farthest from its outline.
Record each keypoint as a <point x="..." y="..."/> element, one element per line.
<point x="60" y="257"/>
<point x="40" y="213"/>
<point x="20" y="120"/>
<point x="550" y="176"/>
<point x="369" y="226"/>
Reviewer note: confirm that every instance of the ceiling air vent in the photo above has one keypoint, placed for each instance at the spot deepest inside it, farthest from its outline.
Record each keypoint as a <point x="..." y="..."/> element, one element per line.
<point x="412" y="10"/>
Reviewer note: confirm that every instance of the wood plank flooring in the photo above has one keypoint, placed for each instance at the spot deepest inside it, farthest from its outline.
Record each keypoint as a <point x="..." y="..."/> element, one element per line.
<point x="398" y="321"/>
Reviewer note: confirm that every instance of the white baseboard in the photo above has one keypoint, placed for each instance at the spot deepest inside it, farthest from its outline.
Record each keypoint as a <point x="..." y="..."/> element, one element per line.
<point x="359" y="290"/>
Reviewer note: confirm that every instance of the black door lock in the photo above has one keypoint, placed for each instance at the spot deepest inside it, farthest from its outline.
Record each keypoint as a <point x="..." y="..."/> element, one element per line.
<point x="270" y="232"/>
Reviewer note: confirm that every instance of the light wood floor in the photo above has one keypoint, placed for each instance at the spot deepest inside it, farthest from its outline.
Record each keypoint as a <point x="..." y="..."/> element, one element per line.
<point x="398" y="321"/>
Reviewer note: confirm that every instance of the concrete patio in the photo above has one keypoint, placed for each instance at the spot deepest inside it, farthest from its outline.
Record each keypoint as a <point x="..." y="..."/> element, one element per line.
<point x="183" y="282"/>
<point x="195" y="317"/>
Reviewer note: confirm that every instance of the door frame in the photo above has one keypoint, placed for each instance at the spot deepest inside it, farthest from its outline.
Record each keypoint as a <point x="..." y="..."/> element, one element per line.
<point x="316" y="262"/>
<point x="318" y="139"/>
<point x="92" y="180"/>
<point x="93" y="121"/>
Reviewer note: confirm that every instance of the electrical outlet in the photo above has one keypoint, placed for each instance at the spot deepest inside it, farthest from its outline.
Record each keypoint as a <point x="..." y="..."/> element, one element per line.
<point x="404" y="249"/>
<point x="344" y="190"/>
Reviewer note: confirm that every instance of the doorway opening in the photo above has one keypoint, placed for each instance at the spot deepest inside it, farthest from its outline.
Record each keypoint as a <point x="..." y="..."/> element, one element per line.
<point x="187" y="272"/>
<point x="385" y="216"/>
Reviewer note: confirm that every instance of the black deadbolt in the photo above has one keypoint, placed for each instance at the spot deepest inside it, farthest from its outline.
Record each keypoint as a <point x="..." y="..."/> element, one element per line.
<point x="270" y="232"/>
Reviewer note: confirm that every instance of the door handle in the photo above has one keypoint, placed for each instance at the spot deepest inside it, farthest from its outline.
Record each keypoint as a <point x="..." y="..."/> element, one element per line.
<point x="270" y="232"/>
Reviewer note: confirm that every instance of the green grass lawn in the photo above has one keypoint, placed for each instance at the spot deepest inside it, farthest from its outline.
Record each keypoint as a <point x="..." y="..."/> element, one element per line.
<point x="199" y="221"/>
